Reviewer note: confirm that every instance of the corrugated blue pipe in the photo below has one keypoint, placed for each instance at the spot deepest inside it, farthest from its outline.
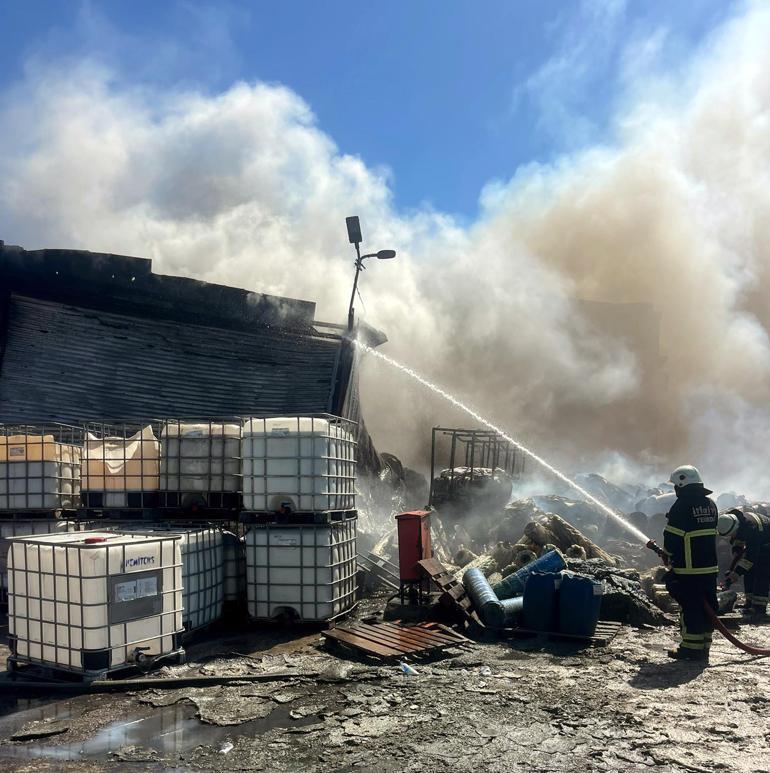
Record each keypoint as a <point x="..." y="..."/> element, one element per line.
<point x="491" y="611"/>
<point x="513" y="584"/>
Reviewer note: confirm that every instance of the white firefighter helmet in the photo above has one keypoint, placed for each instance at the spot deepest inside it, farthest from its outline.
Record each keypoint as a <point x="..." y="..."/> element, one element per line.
<point x="727" y="524"/>
<point x="685" y="475"/>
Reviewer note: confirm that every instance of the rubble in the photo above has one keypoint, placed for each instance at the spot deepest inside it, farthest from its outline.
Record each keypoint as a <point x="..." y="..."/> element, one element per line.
<point x="40" y="729"/>
<point x="582" y="515"/>
<point x="624" y="599"/>
<point x="463" y="556"/>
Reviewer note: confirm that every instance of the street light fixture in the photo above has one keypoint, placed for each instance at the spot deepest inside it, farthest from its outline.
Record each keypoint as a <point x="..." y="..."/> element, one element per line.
<point x="354" y="237"/>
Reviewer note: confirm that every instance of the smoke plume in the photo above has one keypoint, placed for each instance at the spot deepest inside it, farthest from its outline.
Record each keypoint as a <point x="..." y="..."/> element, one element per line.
<point x="609" y="305"/>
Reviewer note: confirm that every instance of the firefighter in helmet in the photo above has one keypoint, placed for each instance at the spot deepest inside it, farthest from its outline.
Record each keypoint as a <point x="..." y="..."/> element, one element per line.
<point x="749" y="535"/>
<point x="690" y="544"/>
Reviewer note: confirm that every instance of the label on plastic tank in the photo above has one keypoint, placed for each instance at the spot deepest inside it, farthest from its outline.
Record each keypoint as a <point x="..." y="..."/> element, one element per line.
<point x="137" y="562"/>
<point x="136" y="589"/>
<point x="280" y="431"/>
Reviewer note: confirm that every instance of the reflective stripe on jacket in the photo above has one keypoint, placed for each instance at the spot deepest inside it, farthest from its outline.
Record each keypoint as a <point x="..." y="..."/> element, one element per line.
<point x="752" y="539"/>
<point x="690" y="536"/>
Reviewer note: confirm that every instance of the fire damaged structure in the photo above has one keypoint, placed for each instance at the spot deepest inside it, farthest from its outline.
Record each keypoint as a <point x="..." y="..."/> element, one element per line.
<point x="134" y="405"/>
<point x="91" y="336"/>
<point x="472" y="464"/>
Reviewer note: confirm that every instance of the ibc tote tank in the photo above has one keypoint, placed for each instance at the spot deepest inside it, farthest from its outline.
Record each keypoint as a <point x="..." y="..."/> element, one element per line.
<point x="305" y="572"/>
<point x="307" y="464"/>
<point x="201" y="461"/>
<point x="38" y="473"/>
<point x="203" y="567"/>
<point x="92" y="602"/>
<point x="117" y="469"/>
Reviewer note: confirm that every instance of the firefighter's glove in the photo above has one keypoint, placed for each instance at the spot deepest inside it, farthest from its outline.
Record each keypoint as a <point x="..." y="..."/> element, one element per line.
<point x="730" y="578"/>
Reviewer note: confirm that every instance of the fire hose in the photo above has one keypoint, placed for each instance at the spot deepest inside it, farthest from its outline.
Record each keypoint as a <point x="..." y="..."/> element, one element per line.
<point x="712" y="615"/>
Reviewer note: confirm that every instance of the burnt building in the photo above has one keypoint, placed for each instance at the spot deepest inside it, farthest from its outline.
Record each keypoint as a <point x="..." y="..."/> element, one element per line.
<point x="90" y="336"/>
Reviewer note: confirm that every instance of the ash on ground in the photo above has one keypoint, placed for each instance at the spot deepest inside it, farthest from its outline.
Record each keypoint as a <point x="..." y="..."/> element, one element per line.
<point x="494" y="705"/>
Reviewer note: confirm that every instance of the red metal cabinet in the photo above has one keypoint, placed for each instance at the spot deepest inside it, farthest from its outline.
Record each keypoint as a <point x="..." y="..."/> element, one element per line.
<point x="413" y="543"/>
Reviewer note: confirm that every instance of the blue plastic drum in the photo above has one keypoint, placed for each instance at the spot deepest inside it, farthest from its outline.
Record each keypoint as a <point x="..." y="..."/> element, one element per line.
<point x="541" y="610"/>
<point x="580" y="600"/>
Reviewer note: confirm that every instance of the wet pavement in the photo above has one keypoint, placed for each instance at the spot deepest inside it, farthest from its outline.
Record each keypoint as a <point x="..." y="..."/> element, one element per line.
<point x="497" y="706"/>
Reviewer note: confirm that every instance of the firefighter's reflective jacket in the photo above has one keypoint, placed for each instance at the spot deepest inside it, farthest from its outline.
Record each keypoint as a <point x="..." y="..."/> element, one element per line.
<point x="751" y="540"/>
<point x="690" y="536"/>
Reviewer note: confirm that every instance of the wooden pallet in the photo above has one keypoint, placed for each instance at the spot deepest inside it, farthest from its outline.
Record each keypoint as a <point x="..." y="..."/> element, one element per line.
<point x="452" y="592"/>
<point x="605" y="632"/>
<point x="382" y="569"/>
<point x="389" y="640"/>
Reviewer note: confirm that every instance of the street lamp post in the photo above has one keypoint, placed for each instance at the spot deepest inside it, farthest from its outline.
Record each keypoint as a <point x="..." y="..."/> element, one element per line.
<point x="354" y="237"/>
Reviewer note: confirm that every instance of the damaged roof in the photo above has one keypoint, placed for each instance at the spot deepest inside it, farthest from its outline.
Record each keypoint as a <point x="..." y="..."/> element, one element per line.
<point x="91" y="336"/>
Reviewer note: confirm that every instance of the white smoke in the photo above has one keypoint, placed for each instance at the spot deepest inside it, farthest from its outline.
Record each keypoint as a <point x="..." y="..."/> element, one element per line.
<point x="242" y="187"/>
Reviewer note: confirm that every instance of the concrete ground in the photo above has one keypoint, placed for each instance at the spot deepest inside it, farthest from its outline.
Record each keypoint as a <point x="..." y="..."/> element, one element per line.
<point x="504" y="706"/>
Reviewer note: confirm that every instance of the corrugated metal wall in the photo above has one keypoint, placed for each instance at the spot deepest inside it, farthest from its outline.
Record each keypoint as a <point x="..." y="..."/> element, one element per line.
<point x="67" y="363"/>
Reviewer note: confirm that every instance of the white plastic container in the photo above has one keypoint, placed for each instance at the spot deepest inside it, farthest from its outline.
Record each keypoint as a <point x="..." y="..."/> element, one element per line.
<point x="203" y="576"/>
<point x="303" y="572"/>
<point x="203" y="568"/>
<point x="92" y="602"/>
<point x="38" y="473"/>
<point x="307" y="464"/>
<point x="15" y="528"/>
<point x="202" y="457"/>
<point x="114" y="468"/>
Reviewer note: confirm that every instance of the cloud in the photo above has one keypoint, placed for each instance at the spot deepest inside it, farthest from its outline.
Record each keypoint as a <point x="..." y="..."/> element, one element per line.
<point x="518" y="311"/>
<point x="563" y="89"/>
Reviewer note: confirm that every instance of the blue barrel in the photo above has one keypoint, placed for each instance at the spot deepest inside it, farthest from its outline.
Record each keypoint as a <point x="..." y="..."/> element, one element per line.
<point x="580" y="599"/>
<point x="541" y="610"/>
<point x="512" y="609"/>
<point x="484" y="600"/>
<point x="513" y="584"/>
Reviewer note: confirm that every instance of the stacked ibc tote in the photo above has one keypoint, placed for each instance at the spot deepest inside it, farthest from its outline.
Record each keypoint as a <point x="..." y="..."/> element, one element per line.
<point x="299" y="476"/>
<point x="39" y="484"/>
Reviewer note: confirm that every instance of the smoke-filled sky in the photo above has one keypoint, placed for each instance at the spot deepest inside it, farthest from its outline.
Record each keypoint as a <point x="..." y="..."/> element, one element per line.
<point x="640" y="178"/>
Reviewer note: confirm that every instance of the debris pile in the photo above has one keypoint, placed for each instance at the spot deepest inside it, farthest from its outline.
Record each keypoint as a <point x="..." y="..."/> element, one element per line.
<point x="624" y="599"/>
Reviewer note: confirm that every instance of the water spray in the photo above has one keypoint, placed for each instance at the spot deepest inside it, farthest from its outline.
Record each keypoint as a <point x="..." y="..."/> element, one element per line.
<point x="651" y="544"/>
<point x="643" y="538"/>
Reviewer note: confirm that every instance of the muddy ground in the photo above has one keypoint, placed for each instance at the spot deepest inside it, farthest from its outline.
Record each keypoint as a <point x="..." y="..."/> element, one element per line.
<point x="512" y="705"/>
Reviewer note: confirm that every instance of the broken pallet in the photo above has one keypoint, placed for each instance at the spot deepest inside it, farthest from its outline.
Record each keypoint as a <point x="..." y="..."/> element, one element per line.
<point x="382" y="569"/>
<point x="452" y="592"/>
<point x="389" y="640"/>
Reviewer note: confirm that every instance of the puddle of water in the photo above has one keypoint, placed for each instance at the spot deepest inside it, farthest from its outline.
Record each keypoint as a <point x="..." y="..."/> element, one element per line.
<point x="170" y="731"/>
<point x="11" y="705"/>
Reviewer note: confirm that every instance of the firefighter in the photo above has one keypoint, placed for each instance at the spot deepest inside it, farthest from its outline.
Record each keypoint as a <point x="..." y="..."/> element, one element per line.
<point x="690" y="544"/>
<point x="749" y="535"/>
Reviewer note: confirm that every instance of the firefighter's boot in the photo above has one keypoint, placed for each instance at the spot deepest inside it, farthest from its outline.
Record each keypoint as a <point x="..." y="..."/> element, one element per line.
<point x="685" y="653"/>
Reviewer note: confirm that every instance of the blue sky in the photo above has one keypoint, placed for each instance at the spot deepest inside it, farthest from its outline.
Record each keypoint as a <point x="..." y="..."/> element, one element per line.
<point x="446" y="95"/>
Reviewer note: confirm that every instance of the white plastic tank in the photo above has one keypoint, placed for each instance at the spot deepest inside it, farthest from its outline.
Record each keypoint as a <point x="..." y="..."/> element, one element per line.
<point x="201" y="458"/>
<point x="92" y="602"/>
<point x="38" y="473"/>
<point x="307" y="464"/>
<point x="203" y="567"/>
<point x="117" y="468"/>
<point x="303" y="572"/>
<point x="25" y="528"/>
